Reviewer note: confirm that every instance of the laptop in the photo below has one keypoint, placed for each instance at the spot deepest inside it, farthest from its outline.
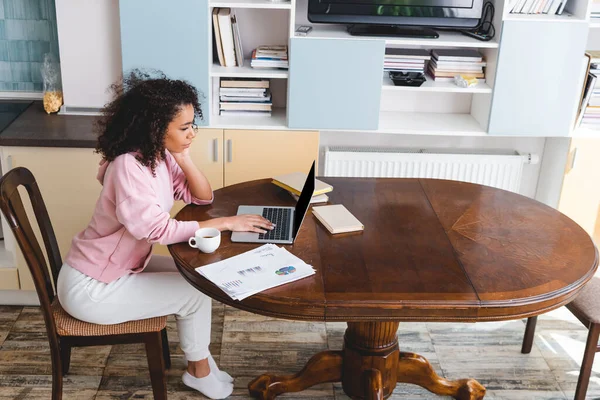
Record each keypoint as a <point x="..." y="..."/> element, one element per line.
<point x="286" y="219"/>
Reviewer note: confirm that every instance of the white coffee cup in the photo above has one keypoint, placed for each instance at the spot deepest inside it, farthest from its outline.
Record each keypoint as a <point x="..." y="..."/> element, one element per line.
<point x="206" y="240"/>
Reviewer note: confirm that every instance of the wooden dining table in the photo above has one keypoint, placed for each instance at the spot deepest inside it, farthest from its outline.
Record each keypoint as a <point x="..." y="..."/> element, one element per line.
<point x="431" y="250"/>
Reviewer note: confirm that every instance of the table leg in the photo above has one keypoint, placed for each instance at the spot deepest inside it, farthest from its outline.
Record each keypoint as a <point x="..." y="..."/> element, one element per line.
<point x="369" y="367"/>
<point x="322" y="367"/>
<point x="413" y="368"/>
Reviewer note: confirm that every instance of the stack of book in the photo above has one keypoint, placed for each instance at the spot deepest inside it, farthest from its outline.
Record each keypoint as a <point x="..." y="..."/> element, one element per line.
<point x="405" y="60"/>
<point x="589" y="109"/>
<point x="228" y="43"/>
<point x="549" y="7"/>
<point x="270" y="57"/>
<point x="244" y="96"/>
<point x="447" y="63"/>
<point x="294" y="183"/>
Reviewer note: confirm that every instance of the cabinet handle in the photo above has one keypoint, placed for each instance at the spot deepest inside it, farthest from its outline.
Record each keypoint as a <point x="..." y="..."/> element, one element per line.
<point x="215" y="150"/>
<point x="9" y="163"/>
<point x="229" y="151"/>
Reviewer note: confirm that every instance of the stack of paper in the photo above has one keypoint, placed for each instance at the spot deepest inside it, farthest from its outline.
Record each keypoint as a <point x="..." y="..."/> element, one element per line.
<point x="256" y="270"/>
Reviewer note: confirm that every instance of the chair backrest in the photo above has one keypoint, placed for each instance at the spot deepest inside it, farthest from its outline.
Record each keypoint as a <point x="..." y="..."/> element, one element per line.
<point x="12" y="207"/>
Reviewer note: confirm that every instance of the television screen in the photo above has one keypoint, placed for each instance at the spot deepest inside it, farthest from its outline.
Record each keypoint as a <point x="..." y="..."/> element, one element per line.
<point x="437" y="13"/>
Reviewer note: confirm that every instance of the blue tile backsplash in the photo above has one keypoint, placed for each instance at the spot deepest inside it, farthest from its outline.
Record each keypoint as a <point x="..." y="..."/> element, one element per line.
<point x="27" y="32"/>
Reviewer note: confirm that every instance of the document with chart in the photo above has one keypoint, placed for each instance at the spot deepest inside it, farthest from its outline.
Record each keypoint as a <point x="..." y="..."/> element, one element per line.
<point x="254" y="271"/>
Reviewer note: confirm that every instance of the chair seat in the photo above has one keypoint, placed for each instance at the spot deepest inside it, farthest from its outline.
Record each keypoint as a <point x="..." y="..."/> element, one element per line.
<point x="69" y="326"/>
<point x="587" y="301"/>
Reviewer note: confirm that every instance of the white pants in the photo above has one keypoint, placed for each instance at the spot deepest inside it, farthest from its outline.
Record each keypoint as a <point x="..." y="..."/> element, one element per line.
<point x="157" y="291"/>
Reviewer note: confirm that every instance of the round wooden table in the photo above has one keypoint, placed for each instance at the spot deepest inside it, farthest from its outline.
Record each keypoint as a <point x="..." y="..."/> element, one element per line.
<point x="431" y="250"/>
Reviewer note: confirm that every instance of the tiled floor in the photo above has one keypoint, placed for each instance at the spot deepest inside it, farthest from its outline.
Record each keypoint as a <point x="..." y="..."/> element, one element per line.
<point x="247" y="345"/>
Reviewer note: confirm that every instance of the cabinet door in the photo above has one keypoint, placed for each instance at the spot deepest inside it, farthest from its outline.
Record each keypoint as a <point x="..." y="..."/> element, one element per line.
<point x="537" y="87"/>
<point x="171" y="37"/>
<point x="580" y="193"/>
<point x="67" y="181"/>
<point x="335" y="83"/>
<point x="207" y="153"/>
<point x="251" y="154"/>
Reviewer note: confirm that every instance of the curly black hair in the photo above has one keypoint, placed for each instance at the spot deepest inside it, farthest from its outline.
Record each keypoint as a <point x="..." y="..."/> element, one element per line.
<point x="138" y="116"/>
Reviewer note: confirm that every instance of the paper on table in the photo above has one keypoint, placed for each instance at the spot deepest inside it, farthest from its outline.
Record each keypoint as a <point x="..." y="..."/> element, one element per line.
<point x="254" y="271"/>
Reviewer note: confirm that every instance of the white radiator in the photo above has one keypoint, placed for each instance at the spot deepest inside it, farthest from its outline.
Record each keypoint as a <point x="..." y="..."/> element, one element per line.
<point x="500" y="169"/>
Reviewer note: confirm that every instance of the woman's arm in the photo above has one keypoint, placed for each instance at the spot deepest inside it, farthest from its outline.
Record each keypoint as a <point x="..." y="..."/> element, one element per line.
<point x="197" y="182"/>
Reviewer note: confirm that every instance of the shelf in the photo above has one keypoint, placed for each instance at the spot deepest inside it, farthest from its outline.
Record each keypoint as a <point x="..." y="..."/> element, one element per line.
<point x="594" y="25"/>
<point x="281" y="5"/>
<point x="247" y="71"/>
<point x="276" y="121"/>
<point x="542" y="17"/>
<point x="429" y="124"/>
<point x="432" y="86"/>
<point x="446" y="39"/>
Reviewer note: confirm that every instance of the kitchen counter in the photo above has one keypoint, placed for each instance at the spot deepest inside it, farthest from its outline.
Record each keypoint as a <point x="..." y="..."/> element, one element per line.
<point x="35" y="128"/>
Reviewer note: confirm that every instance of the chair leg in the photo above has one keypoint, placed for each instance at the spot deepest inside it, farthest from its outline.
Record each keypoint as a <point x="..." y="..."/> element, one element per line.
<point x="156" y="364"/>
<point x="65" y="357"/>
<point x="588" y="360"/>
<point x="529" y="334"/>
<point x="57" y="374"/>
<point x="166" y="351"/>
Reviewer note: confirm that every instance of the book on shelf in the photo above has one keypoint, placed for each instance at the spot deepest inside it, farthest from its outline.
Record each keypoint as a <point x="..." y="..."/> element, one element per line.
<point x="270" y="57"/>
<point x="337" y="219"/>
<point x="228" y="41"/>
<point x="550" y="7"/>
<point x="243" y="97"/>
<point x="445" y="64"/>
<point x="245" y="83"/>
<point x="405" y="60"/>
<point x="294" y="182"/>
<point x="462" y="55"/>
<point x="588" y="90"/>
<point x="245" y="106"/>
<point x="242" y="113"/>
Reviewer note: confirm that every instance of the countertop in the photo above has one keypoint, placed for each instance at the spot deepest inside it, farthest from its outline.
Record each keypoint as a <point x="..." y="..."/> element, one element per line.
<point x="35" y="128"/>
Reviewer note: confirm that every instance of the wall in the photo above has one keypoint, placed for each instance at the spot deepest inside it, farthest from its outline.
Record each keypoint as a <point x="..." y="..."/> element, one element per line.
<point x="27" y="32"/>
<point x="90" y="51"/>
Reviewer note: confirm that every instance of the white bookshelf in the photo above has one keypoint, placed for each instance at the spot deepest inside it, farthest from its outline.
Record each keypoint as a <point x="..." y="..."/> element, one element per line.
<point x="594" y="25"/>
<point x="246" y="71"/>
<point x="432" y="86"/>
<point x="446" y="39"/>
<point x="266" y="4"/>
<point x="541" y="17"/>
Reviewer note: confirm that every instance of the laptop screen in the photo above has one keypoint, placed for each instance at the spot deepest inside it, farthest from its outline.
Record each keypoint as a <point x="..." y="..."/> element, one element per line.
<point x="304" y="200"/>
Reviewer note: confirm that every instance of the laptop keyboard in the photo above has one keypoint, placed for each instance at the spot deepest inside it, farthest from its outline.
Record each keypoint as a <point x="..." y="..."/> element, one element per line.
<point x="281" y="218"/>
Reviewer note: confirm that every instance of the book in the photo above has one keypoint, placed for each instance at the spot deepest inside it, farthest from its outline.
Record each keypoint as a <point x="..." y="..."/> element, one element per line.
<point x="244" y="83"/>
<point x="590" y="82"/>
<point x="237" y="41"/>
<point x="294" y="183"/>
<point x="217" y="31"/>
<point x="320" y="198"/>
<point x="457" y="55"/>
<point x="226" y="31"/>
<point x="337" y="219"/>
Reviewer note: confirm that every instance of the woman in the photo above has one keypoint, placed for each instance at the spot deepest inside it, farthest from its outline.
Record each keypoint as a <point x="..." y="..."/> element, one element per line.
<point x="109" y="275"/>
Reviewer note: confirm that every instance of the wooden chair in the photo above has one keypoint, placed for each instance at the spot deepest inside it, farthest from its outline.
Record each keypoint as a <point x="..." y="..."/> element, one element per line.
<point x="64" y="331"/>
<point x="586" y="307"/>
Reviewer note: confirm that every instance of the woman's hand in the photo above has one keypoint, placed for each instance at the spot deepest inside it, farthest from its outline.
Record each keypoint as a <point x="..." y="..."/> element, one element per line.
<point x="249" y="223"/>
<point x="183" y="157"/>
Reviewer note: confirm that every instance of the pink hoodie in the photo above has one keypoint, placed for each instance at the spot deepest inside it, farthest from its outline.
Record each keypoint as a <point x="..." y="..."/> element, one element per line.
<point x="131" y="214"/>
